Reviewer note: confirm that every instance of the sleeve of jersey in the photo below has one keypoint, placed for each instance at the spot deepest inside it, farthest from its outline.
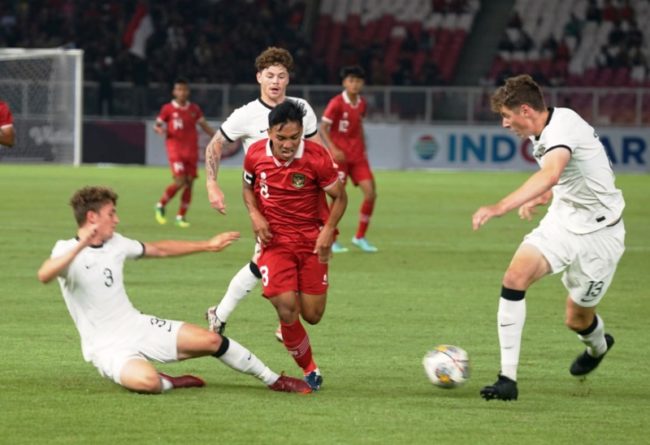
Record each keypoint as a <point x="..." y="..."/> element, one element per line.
<point x="5" y="117"/>
<point x="561" y="137"/>
<point x="163" y="115"/>
<point x="199" y="112"/>
<point x="132" y="248"/>
<point x="234" y="127"/>
<point x="249" y="169"/>
<point x="331" y="112"/>
<point x="326" y="169"/>
<point x="310" y="122"/>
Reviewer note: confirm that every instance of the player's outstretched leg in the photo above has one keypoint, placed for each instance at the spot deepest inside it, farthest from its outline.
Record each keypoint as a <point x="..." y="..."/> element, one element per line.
<point x="290" y="384"/>
<point x="503" y="389"/>
<point x="241" y="284"/>
<point x="585" y="362"/>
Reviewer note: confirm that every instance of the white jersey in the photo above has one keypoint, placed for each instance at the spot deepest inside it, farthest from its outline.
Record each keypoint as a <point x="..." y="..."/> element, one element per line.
<point x="93" y="290"/>
<point x="585" y="199"/>
<point x="251" y="122"/>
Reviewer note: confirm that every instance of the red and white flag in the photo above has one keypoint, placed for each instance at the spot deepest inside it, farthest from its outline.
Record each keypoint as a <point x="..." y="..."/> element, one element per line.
<point x="138" y="31"/>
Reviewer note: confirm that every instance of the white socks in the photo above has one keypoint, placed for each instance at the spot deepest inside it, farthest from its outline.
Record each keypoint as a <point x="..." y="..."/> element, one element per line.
<point x="595" y="340"/>
<point x="165" y="384"/>
<point x="511" y="318"/>
<point x="240" y="285"/>
<point x="241" y="359"/>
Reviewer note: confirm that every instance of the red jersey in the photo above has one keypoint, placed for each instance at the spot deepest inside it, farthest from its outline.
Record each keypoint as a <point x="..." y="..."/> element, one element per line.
<point x="6" y="118"/>
<point x="346" y="130"/>
<point x="182" y="137"/>
<point x="291" y="195"/>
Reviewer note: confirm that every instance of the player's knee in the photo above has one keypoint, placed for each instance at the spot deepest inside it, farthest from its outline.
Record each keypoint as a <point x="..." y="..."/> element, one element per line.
<point x="371" y="195"/>
<point x="313" y="316"/>
<point x="576" y="322"/>
<point x="515" y="279"/>
<point x="213" y="341"/>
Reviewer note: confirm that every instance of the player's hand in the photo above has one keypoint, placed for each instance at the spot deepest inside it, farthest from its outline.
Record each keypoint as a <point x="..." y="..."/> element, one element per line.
<point x="222" y="240"/>
<point x="216" y="198"/>
<point x="527" y="211"/>
<point x="337" y="154"/>
<point x="483" y="215"/>
<point x="87" y="234"/>
<point x="159" y="129"/>
<point x="261" y="228"/>
<point x="324" y="243"/>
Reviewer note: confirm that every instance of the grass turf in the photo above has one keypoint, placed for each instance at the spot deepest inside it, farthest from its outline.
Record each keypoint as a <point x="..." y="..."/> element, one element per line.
<point x="433" y="281"/>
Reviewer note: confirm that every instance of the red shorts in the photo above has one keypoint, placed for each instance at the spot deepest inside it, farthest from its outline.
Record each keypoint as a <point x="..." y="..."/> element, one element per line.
<point x="286" y="268"/>
<point x="356" y="170"/>
<point x="183" y="165"/>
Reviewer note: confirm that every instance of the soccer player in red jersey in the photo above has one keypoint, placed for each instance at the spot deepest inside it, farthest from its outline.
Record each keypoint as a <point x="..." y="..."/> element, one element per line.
<point x="286" y="179"/>
<point x="7" y="134"/>
<point x="342" y="130"/>
<point x="182" y="140"/>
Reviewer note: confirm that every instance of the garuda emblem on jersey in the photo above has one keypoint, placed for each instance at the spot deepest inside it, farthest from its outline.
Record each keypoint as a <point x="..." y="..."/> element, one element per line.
<point x="298" y="180"/>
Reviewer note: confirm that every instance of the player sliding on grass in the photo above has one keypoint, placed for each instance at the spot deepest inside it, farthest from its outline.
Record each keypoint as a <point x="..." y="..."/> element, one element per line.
<point x="249" y="124"/>
<point x="285" y="182"/>
<point x="582" y="234"/>
<point x="117" y="338"/>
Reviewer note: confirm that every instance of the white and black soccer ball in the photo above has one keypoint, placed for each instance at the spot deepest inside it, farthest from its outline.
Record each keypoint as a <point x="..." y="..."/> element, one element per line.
<point x="446" y="366"/>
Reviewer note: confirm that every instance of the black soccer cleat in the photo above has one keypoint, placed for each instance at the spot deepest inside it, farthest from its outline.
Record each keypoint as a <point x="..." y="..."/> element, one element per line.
<point x="503" y="389"/>
<point x="586" y="363"/>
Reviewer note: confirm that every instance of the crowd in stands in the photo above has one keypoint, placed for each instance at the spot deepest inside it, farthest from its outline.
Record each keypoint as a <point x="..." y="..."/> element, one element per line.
<point x="579" y="43"/>
<point x="204" y="41"/>
<point x="209" y="41"/>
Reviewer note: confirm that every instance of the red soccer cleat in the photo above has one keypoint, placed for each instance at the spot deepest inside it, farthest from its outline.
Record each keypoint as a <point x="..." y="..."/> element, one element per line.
<point x="290" y="384"/>
<point x="184" y="381"/>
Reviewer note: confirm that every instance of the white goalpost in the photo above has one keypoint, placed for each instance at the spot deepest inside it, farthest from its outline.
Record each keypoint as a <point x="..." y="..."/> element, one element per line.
<point x="44" y="90"/>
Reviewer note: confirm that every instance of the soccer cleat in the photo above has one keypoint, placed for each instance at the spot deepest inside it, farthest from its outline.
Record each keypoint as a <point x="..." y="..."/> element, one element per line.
<point x="181" y="222"/>
<point x="314" y="379"/>
<point x="290" y="384"/>
<point x="214" y="324"/>
<point x="183" y="381"/>
<point x="363" y="244"/>
<point x="586" y="363"/>
<point x="278" y="334"/>
<point x="160" y="214"/>
<point x="339" y="248"/>
<point x="503" y="389"/>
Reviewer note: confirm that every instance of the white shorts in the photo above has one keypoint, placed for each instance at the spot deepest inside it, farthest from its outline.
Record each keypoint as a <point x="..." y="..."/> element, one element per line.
<point x="151" y="338"/>
<point x="588" y="261"/>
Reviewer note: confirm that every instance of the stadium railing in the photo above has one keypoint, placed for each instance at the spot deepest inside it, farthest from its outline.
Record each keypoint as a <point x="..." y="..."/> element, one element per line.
<point x="620" y="106"/>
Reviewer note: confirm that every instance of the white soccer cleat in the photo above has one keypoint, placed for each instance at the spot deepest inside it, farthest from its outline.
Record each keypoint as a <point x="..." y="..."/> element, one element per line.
<point x="214" y="324"/>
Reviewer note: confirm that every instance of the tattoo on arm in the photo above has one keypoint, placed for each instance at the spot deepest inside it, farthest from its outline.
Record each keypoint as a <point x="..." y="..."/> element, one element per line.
<point x="213" y="156"/>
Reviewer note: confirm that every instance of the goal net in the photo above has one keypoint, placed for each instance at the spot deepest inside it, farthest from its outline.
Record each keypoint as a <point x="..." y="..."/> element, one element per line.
<point x="43" y="88"/>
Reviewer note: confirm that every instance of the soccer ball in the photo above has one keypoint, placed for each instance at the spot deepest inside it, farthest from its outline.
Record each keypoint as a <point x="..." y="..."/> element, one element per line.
<point x="446" y="366"/>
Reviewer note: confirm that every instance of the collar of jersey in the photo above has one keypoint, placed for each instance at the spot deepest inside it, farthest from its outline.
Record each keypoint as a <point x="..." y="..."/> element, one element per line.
<point x="548" y="121"/>
<point x="347" y="100"/>
<point x="299" y="153"/>
<point x="177" y="105"/>
<point x="98" y="246"/>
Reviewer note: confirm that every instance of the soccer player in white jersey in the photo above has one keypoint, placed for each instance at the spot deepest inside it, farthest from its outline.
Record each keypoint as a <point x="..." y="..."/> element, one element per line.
<point x="582" y="234"/>
<point x="249" y="124"/>
<point x="118" y="339"/>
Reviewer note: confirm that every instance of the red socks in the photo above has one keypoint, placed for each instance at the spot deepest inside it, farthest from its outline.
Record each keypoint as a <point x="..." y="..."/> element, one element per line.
<point x="170" y="192"/>
<point x="296" y="341"/>
<point x="364" y="217"/>
<point x="186" y="198"/>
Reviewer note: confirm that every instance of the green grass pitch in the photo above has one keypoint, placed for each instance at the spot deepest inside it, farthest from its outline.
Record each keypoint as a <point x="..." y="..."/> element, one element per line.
<point x="433" y="281"/>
